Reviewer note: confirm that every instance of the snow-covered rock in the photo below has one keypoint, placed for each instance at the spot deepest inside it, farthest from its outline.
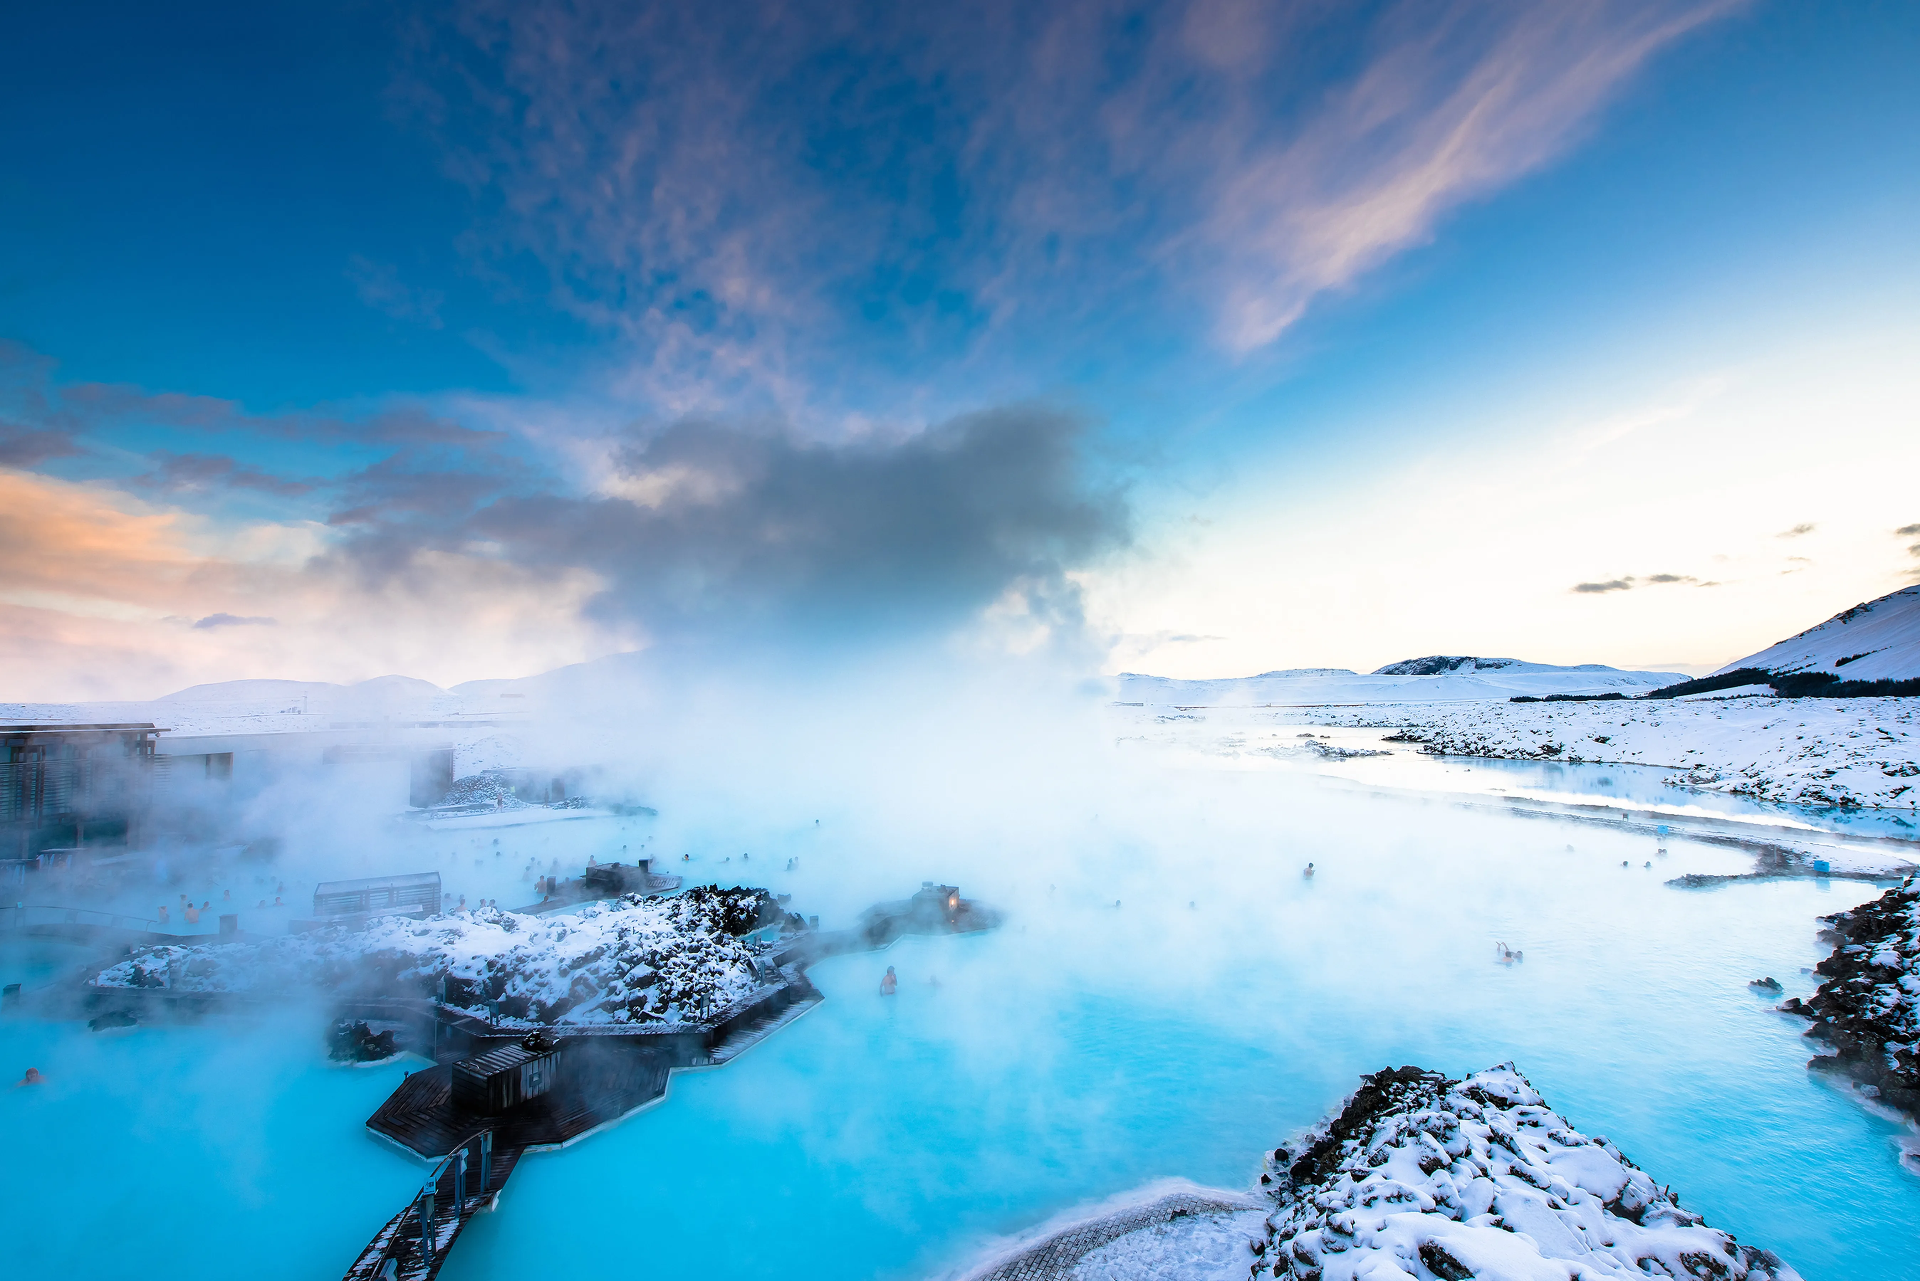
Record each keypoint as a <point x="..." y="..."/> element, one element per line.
<point x="629" y="960"/>
<point x="1440" y="678"/>
<point x="1804" y="751"/>
<point x="1865" y="1007"/>
<point x="1420" y="1177"/>
<point x="1877" y="640"/>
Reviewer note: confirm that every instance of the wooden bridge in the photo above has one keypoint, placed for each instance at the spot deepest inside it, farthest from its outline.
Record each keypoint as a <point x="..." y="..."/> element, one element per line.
<point x="415" y="1242"/>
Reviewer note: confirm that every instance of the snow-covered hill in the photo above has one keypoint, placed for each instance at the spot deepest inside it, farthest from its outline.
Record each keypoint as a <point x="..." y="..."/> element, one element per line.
<point x="1438" y="678"/>
<point x="1878" y="640"/>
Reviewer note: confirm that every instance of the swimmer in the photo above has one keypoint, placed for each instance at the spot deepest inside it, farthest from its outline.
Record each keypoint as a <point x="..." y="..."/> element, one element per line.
<point x="1307" y="873"/>
<point x="889" y="983"/>
<point x="163" y="913"/>
<point x="32" y="1077"/>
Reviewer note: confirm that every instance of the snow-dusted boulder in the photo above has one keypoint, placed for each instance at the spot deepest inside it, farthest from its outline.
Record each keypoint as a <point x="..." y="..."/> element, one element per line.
<point x="1420" y="1177"/>
<point x="628" y="960"/>
<point x="1865" y="1006"/>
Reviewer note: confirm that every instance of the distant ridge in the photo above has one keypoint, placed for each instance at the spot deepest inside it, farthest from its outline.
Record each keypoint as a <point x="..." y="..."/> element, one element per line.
<point x="1435" y="678"/>
<point x="1441" y="664"/>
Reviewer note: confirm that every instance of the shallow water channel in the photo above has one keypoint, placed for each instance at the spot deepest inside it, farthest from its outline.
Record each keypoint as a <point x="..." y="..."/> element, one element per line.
<point x="1082" y="1050"/>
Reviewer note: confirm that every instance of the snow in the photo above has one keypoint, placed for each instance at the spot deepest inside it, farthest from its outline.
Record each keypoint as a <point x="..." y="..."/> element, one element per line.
<point x="1805" y="751"/>
<point x="1194" y="1247"/>
<point x="1421" y="1177"/>
<point x="1877" y="640"/>
<point x="1440" y="678"/>
<point x="629" y="960"/>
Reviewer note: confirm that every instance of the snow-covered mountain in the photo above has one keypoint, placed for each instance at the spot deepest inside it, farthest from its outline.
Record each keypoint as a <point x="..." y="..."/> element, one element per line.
<point x="1879" y="640"/>
<point x="1436" y="678"/>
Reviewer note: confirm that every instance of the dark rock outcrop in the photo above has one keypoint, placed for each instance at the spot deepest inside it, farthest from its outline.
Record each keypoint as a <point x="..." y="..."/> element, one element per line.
<point x="1864" y="1008"/>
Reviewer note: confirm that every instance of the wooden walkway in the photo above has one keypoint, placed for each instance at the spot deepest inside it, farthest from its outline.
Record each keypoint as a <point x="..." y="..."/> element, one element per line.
<point x="408" y="1248"/>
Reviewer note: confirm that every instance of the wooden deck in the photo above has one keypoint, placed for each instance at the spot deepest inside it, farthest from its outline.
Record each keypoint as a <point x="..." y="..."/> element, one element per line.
<point x="607" y="1077"/>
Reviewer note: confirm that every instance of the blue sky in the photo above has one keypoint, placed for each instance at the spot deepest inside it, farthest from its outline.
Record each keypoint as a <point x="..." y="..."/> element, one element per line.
<point x="308" y="302"/>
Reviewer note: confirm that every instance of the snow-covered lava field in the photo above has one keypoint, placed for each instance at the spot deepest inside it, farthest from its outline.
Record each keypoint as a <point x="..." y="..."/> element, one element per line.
<point x="1794" y="751"/>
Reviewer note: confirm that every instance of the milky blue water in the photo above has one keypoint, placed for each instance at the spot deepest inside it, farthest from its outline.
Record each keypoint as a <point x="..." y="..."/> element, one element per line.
<point x="1080" y="1051"/>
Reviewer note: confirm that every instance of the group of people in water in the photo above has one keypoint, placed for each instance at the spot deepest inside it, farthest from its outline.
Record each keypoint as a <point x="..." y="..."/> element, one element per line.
<point x="191" y="912"/>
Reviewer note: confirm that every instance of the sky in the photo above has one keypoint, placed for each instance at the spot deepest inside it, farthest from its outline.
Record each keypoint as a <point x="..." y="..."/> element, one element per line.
<point x="1200" y="339"/>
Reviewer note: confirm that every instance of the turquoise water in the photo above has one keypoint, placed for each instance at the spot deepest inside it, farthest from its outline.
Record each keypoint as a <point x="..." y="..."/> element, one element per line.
<point x="206" y="1151"/>
<point x="1082" y="1050"/>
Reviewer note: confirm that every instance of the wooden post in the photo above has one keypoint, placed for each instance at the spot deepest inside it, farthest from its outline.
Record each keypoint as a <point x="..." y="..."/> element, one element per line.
<point x="426" y="1220"/>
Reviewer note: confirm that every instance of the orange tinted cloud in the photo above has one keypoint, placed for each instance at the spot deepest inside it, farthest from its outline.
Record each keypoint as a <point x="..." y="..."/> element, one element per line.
<point x="100" y="595"/>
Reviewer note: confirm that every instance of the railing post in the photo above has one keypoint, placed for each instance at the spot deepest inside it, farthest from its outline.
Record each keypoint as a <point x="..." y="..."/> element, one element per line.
<point x="460" y="1181"/>
<point x="486" y="1161"/>
<point x="427" y="1195"/>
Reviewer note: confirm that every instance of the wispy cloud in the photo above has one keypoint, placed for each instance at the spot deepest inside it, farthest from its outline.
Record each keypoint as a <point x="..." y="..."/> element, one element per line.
<point x="1797" y="531"/>
<point x="1455" y="101"/>
<point x="232" y="620"/>
<point x="734" y="192"/>
<point x="380" y="287"/>
<point x="1611" y="585"/>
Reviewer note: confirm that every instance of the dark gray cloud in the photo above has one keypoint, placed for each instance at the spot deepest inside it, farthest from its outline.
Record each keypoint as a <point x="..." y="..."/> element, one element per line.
<point x="1907" y="531"/>
<point x="199" y="473"/>
<point x="1796" y="531"/>
<point x="30" y="446"/>
<point x="1627" y="583"/>
<point x="212" y="621"/>
<point x="721" y="532"/>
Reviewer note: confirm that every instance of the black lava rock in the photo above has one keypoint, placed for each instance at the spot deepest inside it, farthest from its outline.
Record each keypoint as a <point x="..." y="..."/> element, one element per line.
<point x="1861" y="1007"/>
<point x="352" y="1041"/>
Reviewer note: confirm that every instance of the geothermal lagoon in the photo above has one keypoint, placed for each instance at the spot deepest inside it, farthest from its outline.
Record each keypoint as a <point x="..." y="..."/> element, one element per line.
<point x="1167" y="1000"/>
